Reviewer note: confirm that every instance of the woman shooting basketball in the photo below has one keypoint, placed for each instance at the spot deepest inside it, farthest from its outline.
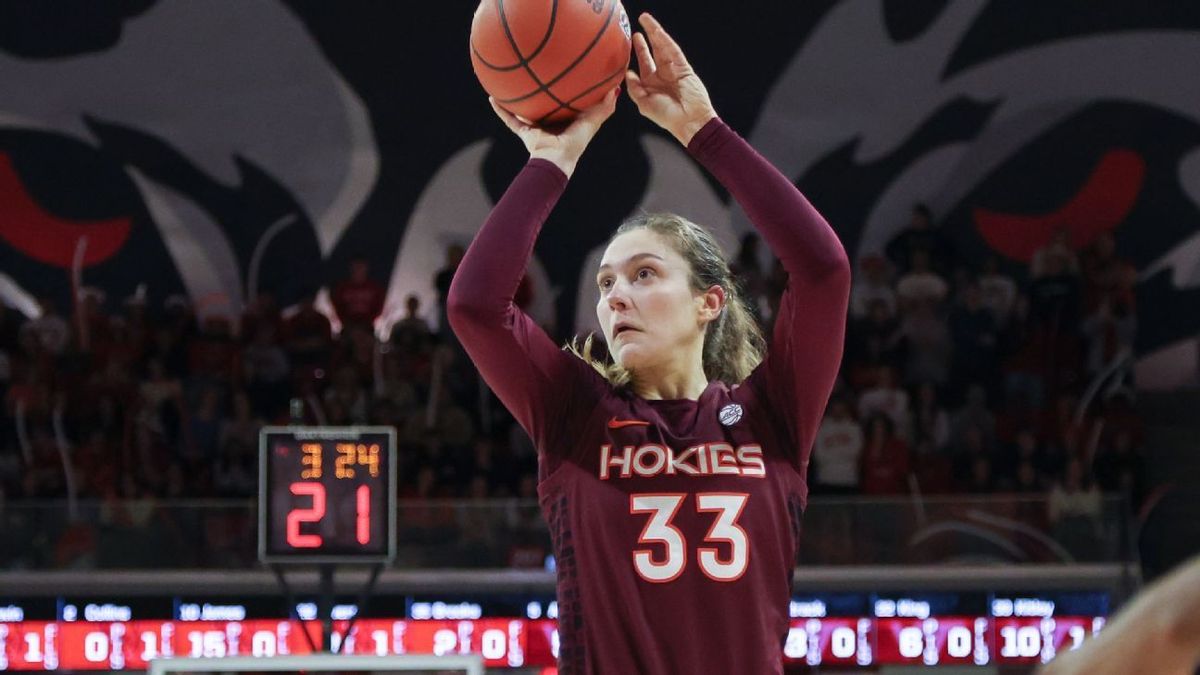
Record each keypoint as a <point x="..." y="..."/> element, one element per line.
<point x="673" y="479"/>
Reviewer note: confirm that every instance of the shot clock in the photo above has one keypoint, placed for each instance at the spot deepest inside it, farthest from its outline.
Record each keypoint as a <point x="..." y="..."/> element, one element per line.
<point x="327" y="494"/>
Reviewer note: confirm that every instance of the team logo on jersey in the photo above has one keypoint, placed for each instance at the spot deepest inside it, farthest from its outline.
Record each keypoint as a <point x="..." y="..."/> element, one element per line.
<point x="730" y="414"/>
<point x="615" y="423"/>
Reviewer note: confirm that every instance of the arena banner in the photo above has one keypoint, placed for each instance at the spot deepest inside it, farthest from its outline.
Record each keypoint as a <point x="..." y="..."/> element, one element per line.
<point x="216" y="149"/>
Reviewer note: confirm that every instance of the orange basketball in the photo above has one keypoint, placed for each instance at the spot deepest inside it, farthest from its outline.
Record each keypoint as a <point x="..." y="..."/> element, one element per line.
<point x="547" y="60"/>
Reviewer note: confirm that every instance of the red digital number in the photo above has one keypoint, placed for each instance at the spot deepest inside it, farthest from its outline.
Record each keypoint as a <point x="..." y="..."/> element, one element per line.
<point x="296" y="517"/>
<point x="363" y="510"/>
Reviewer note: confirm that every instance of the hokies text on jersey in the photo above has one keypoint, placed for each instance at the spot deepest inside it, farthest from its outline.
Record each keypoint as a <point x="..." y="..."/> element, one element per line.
<point x="706" y="459"/>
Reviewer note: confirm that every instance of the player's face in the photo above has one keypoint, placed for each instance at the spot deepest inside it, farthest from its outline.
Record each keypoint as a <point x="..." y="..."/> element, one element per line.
<point x="651" y="316"/>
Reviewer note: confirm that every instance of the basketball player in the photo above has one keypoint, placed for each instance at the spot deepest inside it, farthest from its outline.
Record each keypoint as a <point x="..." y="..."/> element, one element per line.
<point x="1158" y="633"/>
<point x="673" y="479"/>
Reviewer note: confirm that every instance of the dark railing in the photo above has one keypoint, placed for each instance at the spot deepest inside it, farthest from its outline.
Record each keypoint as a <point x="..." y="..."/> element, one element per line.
<point x="151" y="534"/>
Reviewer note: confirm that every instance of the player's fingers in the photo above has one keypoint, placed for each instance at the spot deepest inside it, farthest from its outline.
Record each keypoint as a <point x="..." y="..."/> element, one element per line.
<point x="602" y="110"/>
<point x="646" y="65"/>
<point x="633" y="83"/>
<point x="664" y="45"/>
<point x="591" y="118"/>
<point x="658" y="36"/>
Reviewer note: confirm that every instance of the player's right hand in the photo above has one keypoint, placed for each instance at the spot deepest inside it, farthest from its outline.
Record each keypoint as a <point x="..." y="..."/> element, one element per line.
<point x="562" y="145"/>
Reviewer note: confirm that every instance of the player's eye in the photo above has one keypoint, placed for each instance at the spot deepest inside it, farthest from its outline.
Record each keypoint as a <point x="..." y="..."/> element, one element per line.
<point x="645" y="273"/>
<point x="605" y="283"/>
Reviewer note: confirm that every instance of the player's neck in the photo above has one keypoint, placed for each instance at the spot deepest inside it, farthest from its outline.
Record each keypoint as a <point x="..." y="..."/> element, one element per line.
<point x="667" y="384"/>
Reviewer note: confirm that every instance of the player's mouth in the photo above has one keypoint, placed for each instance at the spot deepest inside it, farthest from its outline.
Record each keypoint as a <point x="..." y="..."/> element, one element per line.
<point x="623" y="327"/>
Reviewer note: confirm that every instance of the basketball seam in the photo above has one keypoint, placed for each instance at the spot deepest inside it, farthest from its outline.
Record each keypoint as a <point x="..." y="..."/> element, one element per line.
<point x="525" y="63"/>
<point x="585" y="92"/>
<point x="534" y="55"/>
<point x="612" y="10"/>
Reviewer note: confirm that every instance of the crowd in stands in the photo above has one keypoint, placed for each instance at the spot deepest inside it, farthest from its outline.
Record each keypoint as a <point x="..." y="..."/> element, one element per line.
<point x="977" y="380"/>
<point x="956" y="379"/>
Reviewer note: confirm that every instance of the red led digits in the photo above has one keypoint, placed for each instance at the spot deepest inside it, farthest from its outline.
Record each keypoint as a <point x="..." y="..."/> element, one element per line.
<point x="297" y="517"/>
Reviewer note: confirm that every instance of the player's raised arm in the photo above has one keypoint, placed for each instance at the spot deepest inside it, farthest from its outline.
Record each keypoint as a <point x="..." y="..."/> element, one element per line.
<point x="806" y="348"/>
<point x="515" y="357"/>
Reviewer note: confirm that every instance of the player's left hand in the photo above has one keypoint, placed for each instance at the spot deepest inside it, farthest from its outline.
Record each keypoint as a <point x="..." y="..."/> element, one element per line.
<point x="665" y="88"/>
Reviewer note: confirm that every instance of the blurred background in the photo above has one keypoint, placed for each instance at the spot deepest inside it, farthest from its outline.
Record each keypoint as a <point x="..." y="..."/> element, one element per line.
<point x="210" y="209"/>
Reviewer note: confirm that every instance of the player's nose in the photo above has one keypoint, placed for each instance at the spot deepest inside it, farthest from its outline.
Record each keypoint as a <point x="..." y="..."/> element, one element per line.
<point x="617" y="298"/>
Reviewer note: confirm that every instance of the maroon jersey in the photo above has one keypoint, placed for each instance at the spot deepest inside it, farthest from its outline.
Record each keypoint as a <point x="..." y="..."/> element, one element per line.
<point x="675" y="523"/>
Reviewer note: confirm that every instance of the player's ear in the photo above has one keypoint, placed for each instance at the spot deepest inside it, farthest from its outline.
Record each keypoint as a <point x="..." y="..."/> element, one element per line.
<point x="710" y="304"/>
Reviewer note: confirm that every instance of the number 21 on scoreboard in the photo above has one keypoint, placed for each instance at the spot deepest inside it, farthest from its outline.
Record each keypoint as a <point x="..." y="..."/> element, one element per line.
<point x="314" y="513"/>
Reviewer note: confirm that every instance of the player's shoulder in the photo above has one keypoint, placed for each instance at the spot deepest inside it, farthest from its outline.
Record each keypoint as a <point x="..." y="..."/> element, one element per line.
<point x="745" y="393"/>
<point x="591" y="392"/>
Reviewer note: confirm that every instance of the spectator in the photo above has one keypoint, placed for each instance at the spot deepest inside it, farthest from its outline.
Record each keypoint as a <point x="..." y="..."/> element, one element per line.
<point x="441" y="282"/>
<point x="1106" y="276"/>
<point x="347" y="396"/>
<point x="396" y="389"/>
<point x="235" y="471"/>
<point x="998" y="291"/>
<point x="412" y="328"/>
<point x="930" y="421"/>
<point x="265" y="371"/>
<point x="308" y="339"/>
<point x="871" y="286"/>
<point x="1025" y="448"/>
<point x="1028" y="480"/>
<point x="837" y="452"/>
<point x="920" y="235"/>
<point x="261" y="313"/>
<point x="1118" y="467"/>
<point x="96" y="465"/>
<point x="921" y="283"/>
<point x="92" y="323"/>
<point x="1073" y="509"/>
<point x="51" y="330"/>
<point x="885" y="459"/>
<point x="928" y="345"/>
<point x="169" y="350"/>
<point x="976" y="341"/>
<point x="888" y="399"/>
<point x="970" y="447"/>
<point x="776" y="282"/>
<point x="980" y="480"/>
<point x="358" y="300"/>
<point x="747" y="269"/>
<point x="212" y="356"/>
<point x="161" y="407"/>
<point x="243" y="427"/>
<point x="873" y="343"/>
<point x="358" y="349"/>
<point x="1118" y="416"/>
<point x="1054" y="295"/>
<point x="1108" y="335"/>
<point x="1065" y="431"/>
<point x="974" y="414"/>
<point x="1056" y="257"/>
<point x="204" y="430"/>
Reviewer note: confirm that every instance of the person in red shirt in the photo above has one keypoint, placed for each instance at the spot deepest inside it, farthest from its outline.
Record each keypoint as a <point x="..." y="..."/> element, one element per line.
<point x="308" y="339"/>
<point x="885" y="459"/>
<point x="672" y="478"/>
<point x="358" y="300"/>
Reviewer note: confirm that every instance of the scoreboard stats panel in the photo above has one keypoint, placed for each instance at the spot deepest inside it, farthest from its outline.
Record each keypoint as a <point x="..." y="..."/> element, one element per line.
<point x="327" y="494"/>
<point x="842" y="631"/>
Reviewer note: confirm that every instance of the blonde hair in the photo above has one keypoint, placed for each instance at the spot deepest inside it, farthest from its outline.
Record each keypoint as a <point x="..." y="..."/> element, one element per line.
<point x="733" y="342"/>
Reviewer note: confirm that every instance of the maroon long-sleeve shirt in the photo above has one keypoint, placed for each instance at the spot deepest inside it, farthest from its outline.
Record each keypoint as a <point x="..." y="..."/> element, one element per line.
<point x="675" y="523"/>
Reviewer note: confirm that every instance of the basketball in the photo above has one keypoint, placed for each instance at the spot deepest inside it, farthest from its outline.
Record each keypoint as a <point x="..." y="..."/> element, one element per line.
<point x="547" y="60"/>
